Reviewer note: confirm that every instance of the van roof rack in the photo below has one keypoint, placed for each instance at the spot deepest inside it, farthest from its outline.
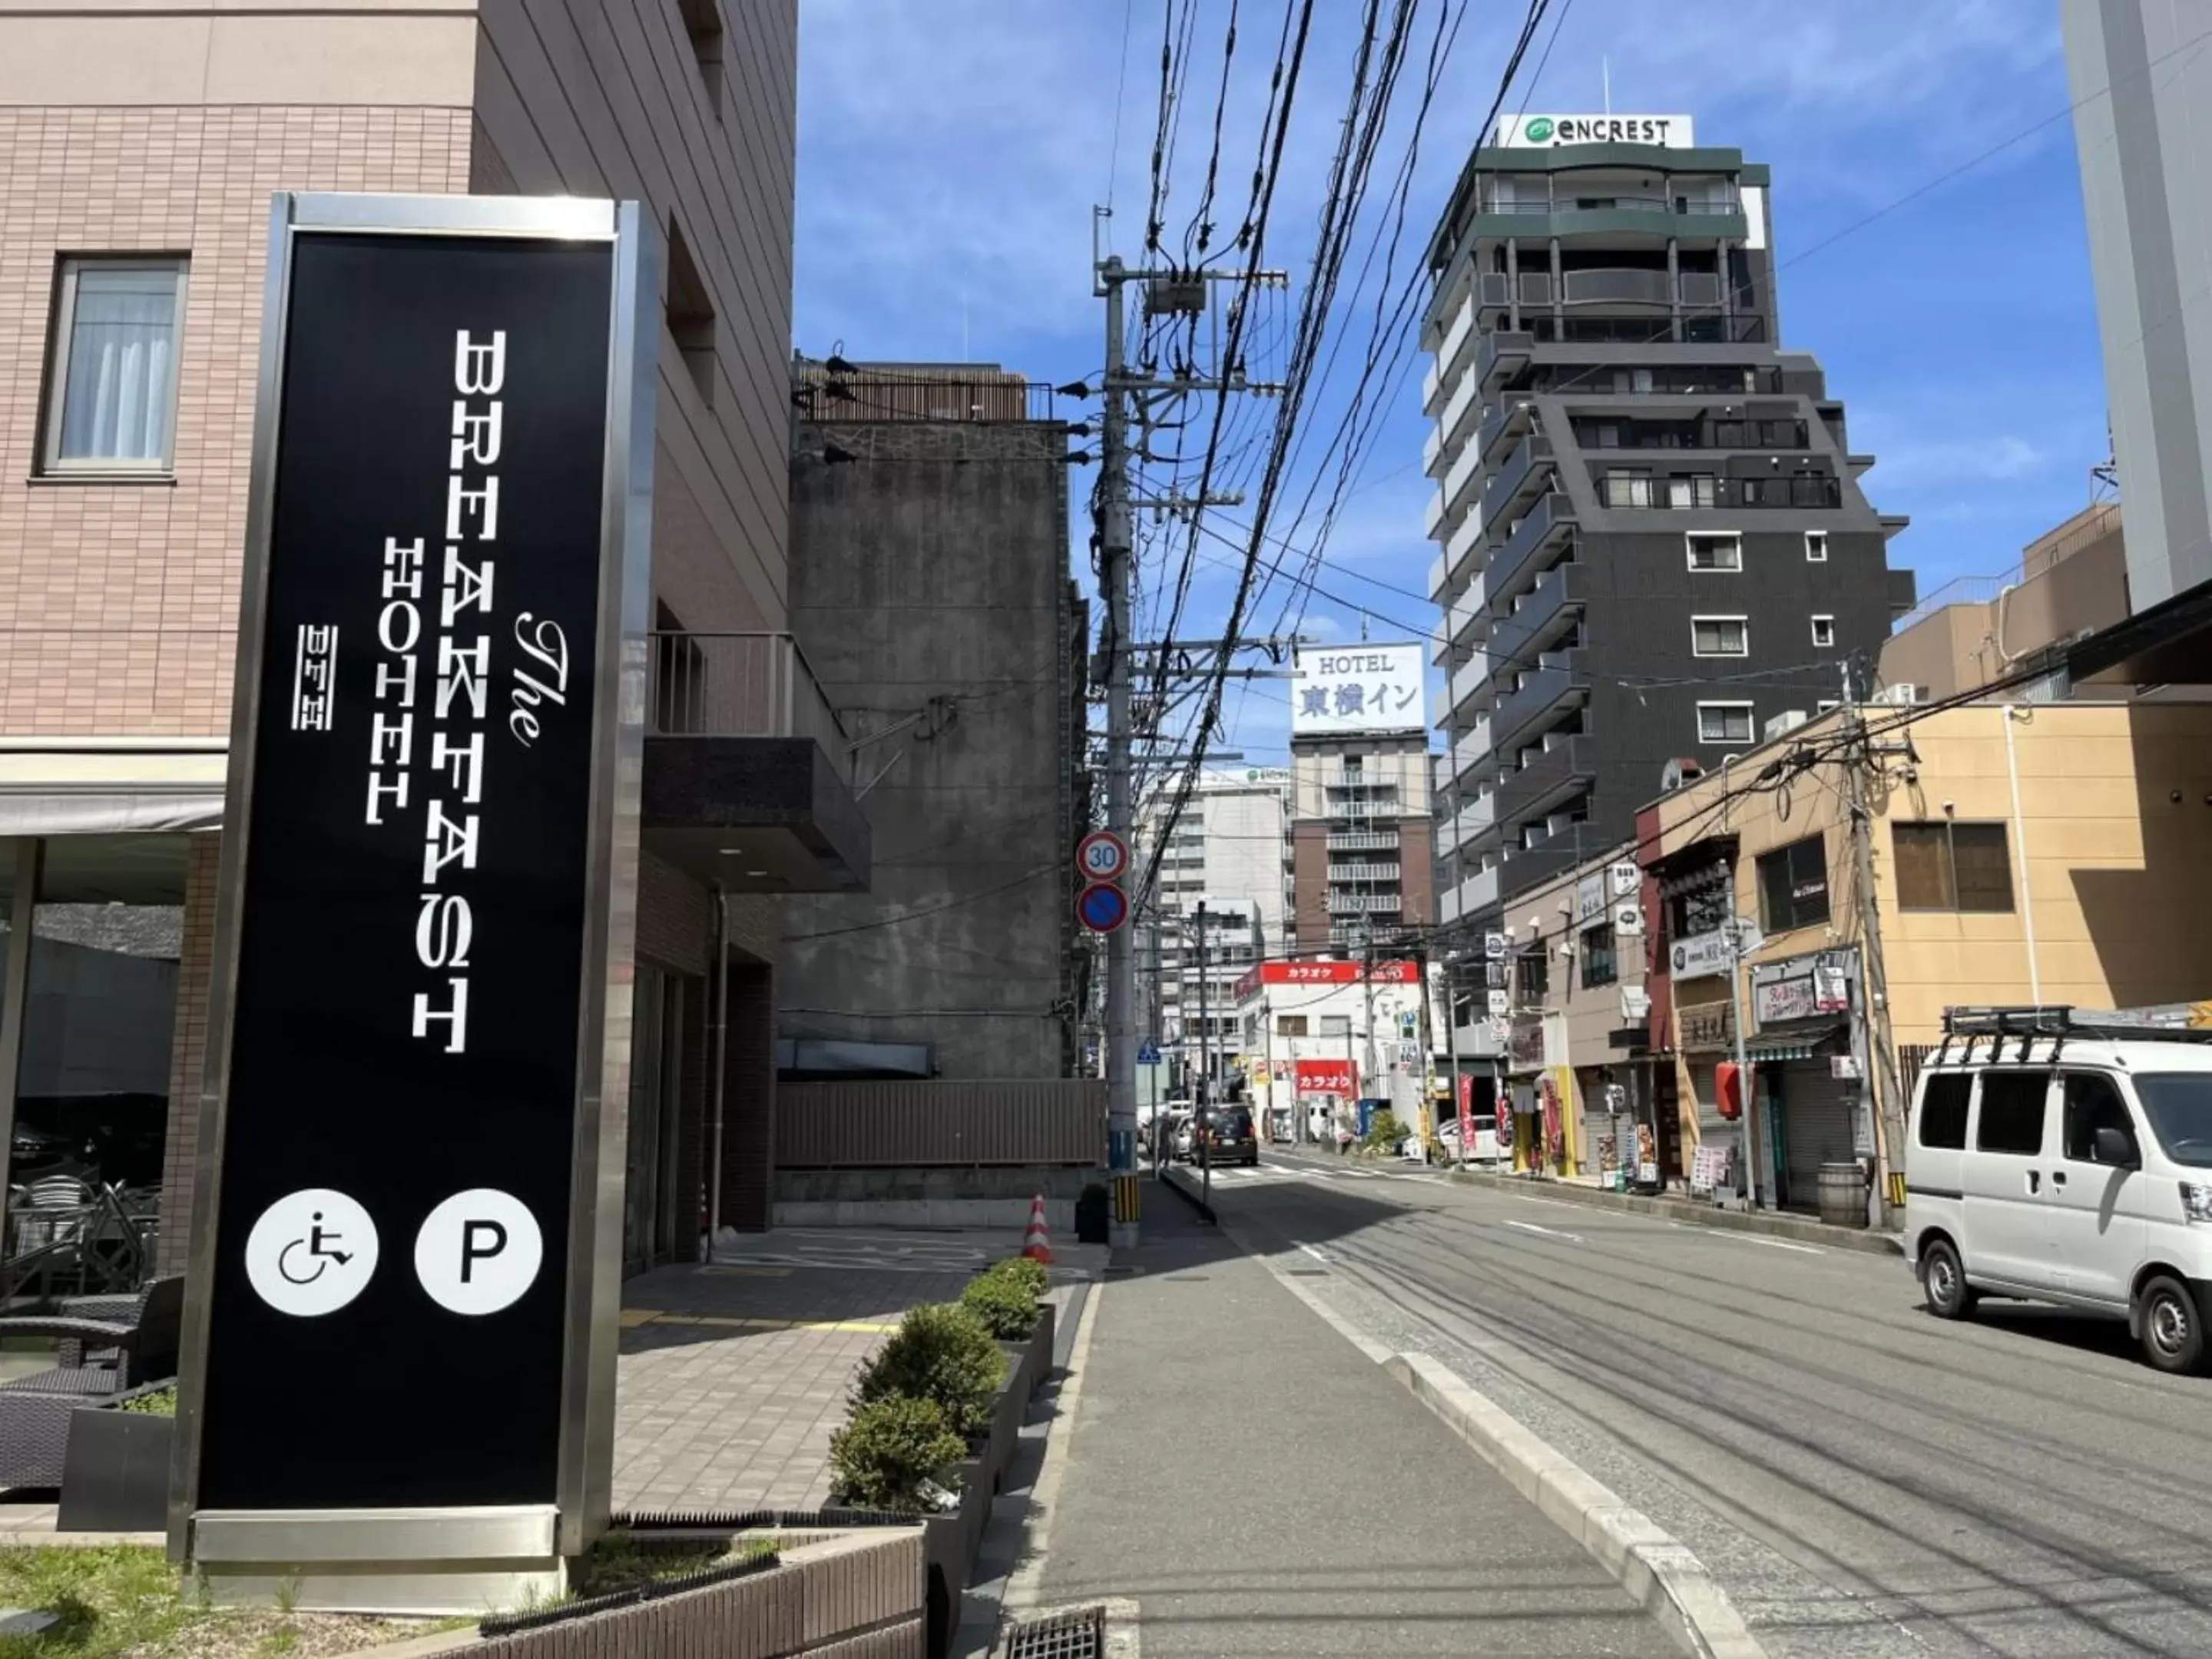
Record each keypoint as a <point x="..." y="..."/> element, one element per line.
<point x="2057" y="1022"/>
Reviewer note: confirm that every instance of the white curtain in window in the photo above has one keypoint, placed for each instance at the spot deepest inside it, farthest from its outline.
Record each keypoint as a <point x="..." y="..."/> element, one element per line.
<point x="119" y="393"/>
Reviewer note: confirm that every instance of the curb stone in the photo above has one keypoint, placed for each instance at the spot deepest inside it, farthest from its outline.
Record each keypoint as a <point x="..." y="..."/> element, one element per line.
<point x="1660" y="1574"/>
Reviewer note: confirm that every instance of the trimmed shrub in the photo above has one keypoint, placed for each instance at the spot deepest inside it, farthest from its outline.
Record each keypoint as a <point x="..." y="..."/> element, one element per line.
<point x="1025" y="1272"/>
<point x="1003" y="1303"/>
<point x="1384" y="1132"/>
<point x="940" y="1352"/>
<point x="891" y="1451"/>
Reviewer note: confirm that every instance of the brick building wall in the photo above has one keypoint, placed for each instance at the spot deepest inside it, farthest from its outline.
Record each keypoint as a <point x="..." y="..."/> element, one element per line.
<point x="118" y="600"/>
<point x="188" y="1053"/>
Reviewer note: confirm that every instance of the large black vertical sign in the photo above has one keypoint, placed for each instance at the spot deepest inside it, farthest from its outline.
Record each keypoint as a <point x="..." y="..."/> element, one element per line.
<point x="387" y="1310"/>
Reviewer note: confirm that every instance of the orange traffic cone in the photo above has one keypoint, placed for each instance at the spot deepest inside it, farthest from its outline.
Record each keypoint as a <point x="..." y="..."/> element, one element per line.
<point x="1036" y="1245"/>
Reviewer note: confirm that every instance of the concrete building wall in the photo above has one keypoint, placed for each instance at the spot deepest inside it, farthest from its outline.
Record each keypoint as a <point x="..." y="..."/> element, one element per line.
<point x="2071" y="582"/>
<point x="929" y="587"/>
<point x="2140" y="86"/>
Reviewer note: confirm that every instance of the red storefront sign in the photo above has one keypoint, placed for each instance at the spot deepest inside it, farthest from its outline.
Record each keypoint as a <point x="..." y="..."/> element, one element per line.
<point x="1325" y="1076"/>
<point x="1324" y="973"/>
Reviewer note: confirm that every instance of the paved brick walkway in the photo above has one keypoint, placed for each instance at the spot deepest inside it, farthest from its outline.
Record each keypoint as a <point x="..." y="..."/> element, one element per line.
<point x="731" y="1379"/>
<point x="732" y="1376"/>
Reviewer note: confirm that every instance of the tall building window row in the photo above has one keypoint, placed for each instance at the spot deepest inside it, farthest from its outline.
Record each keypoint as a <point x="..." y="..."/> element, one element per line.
<point x="1638" y="487"/>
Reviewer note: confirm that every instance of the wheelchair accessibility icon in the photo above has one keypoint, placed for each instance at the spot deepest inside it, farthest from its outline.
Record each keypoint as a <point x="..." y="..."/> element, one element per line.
<point x="311" y="1252"/>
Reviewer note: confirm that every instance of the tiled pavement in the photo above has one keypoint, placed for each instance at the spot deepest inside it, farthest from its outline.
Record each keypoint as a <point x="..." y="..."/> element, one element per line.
<point x="733" y="1375"/>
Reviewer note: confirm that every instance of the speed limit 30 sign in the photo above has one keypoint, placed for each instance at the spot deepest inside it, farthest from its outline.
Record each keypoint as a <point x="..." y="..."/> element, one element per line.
<point x="1101" y="855"/>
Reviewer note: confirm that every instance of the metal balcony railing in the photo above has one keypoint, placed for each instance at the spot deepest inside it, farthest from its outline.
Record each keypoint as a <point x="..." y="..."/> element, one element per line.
<point x="1365" y="903"/>
<point x="740" y="685"/>
<point x="1364" y="841"/>
<point x="1363" y="872"/>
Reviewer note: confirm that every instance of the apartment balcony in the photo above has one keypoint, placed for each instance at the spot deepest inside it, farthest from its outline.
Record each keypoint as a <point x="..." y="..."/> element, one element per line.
<point x="1459" y="495"/>
<point x="1527" y="469"/>
<point x="1467" y="610"/>
<point x="1560" y="682"/>
<point x="1471" y="749"/>
<point x="1617" y="287"/>
<point x="1365" y="904"/>
<point x="1476" y="819"/>
<point x="1478" y="892"/>
<point x="1452" y="356"/>
<point x="1653" y="220"/>
<point x="1460" y="411"/>
<point x="1472" y="683"/>
<point x="1543" y="614"/>
<point x="1562" y="773"/>
<point x="1458" y="548"/>
<point x="1502" y="354"/>
<point x="748" y="776"/>
<point x="1364" y="841"/>
<point x="1511" y="418"/>
<point x="1351" y="873"/>
<point x="1435" y="515"/>
<point x="1535" y="544"/>
<point x="1447" y="908"/>
<point x="1532" y="866"/>
<point x="1496" y="289"/>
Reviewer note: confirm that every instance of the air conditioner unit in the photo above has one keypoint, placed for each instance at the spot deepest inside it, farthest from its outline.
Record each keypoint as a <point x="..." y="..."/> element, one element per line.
<point x="1676" y="773"/>
<point x="1777" y="724"/>
<point x="1903" y="696"/>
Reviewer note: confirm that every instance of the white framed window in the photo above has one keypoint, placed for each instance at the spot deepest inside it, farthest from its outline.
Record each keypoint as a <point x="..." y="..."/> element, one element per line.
<point x="1816" y="547"/>
<point x="1714" y="549"/>
<point x="1720" y="636"/>
<point x="111" y="367"/>
<point x="1725" y="722"/>
<point x="1627" y="488"/>
<point x="1824" y="631"/>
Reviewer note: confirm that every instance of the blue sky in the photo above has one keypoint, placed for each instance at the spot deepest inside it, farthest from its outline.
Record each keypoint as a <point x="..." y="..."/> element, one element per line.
<point x="950" y="152"/>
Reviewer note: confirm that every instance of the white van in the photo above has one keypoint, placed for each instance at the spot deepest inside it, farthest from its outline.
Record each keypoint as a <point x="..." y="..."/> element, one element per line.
<point x="2058" y="1158"/>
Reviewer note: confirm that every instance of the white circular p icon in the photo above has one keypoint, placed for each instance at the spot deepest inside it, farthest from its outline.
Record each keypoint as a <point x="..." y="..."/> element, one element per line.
<point x="478" y="1251"/>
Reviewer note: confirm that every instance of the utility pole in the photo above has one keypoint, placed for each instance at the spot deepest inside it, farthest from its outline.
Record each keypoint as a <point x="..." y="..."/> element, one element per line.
<point x="1205" y="1066"/>
<point x="1748" y="1095"/>
<point x="1183" y="292"/>
<point x="1460" y="1113"/>
<point x="1889" y="1103"/>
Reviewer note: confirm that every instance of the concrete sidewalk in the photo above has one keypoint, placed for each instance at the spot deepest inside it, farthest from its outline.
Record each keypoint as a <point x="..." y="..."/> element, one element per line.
<point x="1258" y="1486"/>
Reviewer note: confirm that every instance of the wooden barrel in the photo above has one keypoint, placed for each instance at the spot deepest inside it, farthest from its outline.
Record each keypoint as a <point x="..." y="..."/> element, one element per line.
<point x="1843" y="1195"/>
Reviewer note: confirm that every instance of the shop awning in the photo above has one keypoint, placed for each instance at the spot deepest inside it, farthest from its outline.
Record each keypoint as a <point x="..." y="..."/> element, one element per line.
<point x="1809" y="1044"/>
<point x="98" y="790"/>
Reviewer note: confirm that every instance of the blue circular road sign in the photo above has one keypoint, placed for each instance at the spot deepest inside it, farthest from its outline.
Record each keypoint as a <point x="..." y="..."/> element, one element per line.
<point x="1103" y="907"/>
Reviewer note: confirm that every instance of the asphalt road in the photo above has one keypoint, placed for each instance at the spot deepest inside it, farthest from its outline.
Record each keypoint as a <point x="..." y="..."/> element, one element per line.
<point x="1862" y="1477"/>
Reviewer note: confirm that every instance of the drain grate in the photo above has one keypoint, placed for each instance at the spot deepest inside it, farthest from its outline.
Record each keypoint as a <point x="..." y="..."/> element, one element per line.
<point x="1078" y="1633"/>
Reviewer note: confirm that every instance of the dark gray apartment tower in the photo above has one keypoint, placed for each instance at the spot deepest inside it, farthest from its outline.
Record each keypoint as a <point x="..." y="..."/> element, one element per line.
<point x="1654" y="546"/>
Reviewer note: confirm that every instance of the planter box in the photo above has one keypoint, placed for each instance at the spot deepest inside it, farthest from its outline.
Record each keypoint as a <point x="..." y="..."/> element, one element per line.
<point x="115" y="1471"/>
<point x="949" y="1549"/>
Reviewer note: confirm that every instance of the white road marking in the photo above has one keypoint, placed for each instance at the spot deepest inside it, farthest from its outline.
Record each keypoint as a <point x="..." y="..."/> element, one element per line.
<point x="1548" y="1232"/>
<point x="1748" y="1238"/>
<point x="1312" y="1252"/>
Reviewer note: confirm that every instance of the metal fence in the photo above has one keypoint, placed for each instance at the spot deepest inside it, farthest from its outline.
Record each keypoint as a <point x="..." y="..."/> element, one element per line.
<point x="966" y="397"/>
<point x="741" y="685"/>
<point x="940" y="1124"/>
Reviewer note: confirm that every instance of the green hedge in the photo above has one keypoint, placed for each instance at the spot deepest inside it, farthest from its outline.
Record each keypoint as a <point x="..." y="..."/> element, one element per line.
<point x="891" y="1451"/>
<point x="940" y="1352"/>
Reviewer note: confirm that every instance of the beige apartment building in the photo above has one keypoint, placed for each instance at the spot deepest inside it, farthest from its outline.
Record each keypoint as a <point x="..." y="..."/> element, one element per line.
<point x="2029" y="853"/>
<point x="139" y="150"/>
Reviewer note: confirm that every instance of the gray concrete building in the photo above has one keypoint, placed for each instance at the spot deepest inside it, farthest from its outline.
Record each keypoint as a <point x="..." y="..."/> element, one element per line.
<point x="1654" y="542"/>
<point x="2142" y="77"/>
<point x="930" y="589"/>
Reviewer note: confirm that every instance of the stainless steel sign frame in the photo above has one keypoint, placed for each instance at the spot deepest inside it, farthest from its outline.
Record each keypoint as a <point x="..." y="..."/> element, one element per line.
<point x="398" y="1368"/>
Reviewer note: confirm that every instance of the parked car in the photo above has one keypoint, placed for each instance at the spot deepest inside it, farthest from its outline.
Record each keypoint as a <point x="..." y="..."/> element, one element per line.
<point x="2055" y="1157"/>
<point x="1230" y="1137"/>
<point x="1484" y="1148"/>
